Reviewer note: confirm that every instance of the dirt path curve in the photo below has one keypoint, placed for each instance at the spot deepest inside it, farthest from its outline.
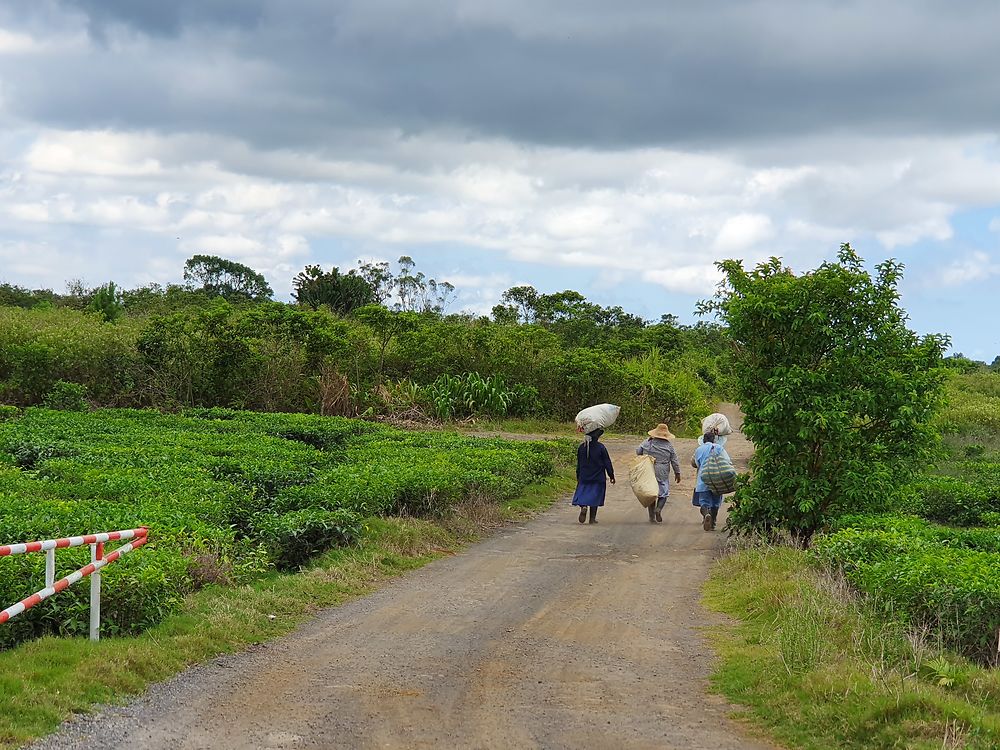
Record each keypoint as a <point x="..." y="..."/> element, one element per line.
<point x="549" y="635"/>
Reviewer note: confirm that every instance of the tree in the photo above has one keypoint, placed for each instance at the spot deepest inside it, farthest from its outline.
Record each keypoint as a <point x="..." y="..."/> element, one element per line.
<point x="522" y="300"/>
<point x="838" y="394"/>
<point x="106" y="301"/>
<point x="996" y="364"/>
<point x="379" y="278"/>
<point x="342" y="293"/>
<point x="220" y="277"/>
<point x="385" y="326"/>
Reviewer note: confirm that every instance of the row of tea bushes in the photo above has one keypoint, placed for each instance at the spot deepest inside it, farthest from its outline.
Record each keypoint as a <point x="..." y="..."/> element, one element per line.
<point x="945" y="579"/>
<point x="227" y="496"/>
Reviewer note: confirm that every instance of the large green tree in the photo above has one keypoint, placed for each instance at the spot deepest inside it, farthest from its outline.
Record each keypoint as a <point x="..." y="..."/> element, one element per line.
<point x="341" y="292"/>
<point x="220" y="277"/>
<point x="838" y="393"/>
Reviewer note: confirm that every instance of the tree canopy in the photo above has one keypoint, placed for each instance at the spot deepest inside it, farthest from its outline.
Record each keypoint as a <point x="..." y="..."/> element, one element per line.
<point x="220" y="277"/>
<point x="838" y="393"/>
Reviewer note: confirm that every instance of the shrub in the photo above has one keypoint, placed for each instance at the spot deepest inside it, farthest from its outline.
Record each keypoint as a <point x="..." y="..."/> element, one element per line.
<point x="67" y="397"/>
<point x="295" y="537"/>
<point x="216" y="487"/>
<point x="838" y="393"/>
<point x="941" y="578"/>
<point x="947" y="500"/>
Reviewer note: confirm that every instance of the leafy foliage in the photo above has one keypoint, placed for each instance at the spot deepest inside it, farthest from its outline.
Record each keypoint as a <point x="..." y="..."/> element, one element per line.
<point x="220" y="277"/>
<point x="472" y="394"/>
<point x="940" y="577"/>
<point x="342" y="293"/>
<point x="838" y="394"/>
<point x="947" y="581"/>
<point x="67" y="397"/>
<point x="226" y="494"/>
<point x="219" y="342"/>
<point x="106" y="302"/>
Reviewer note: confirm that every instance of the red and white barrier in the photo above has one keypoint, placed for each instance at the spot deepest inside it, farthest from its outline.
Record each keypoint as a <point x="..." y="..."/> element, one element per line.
<point x="98" y="561"/>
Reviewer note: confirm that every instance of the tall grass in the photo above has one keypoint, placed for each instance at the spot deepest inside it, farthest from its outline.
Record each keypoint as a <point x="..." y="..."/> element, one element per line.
<point x="822" y="668"/>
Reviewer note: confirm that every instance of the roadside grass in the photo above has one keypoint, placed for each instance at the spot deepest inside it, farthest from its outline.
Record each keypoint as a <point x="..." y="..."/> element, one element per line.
<point x="45" y="681"/>
<point x="820" y="668"/>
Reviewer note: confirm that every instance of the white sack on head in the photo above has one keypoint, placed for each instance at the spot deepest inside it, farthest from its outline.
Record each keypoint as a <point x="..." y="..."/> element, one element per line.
<point x="717" y="422"/>
<point x="597" y="417"/>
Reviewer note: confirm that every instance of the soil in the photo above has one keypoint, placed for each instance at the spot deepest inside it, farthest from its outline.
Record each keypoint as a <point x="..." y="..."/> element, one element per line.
<point x="551" y="634"/>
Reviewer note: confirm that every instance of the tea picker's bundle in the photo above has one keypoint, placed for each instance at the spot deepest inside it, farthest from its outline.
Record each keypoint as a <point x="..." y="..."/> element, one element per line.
<point x="717" y="423"/>
<point x="599" y="417"/>
<point x="642" y="477"/>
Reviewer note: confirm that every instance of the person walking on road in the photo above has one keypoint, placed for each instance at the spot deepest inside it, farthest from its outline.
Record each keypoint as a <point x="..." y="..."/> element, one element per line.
<point x="664" y="459"/>
<point x="709" y="502"/>
<point x="592" y="463"/>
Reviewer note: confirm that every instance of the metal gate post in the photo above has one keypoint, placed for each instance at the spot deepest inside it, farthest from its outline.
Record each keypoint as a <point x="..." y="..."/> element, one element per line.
<point x="96" y="553"/>
<point x="50" y="567"/>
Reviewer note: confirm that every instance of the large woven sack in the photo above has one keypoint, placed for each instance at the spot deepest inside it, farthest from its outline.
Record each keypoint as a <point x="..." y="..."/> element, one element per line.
<point x="599" y="417"/>
<point x="718" y="472"/>
<point x="643" y="480"/>
<point x="719" y="423"/>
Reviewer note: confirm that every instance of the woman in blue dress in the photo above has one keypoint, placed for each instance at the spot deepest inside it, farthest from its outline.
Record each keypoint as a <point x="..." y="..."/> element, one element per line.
<point x="592" y="463"/>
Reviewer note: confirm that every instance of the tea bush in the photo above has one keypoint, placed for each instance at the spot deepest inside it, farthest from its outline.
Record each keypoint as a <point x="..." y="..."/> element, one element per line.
<point x="226" y="494"/>
<point x="943" y="579"/>
<point x="947" y="500"/>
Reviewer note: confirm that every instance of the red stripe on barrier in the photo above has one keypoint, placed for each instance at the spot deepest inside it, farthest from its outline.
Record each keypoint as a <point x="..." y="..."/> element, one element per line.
<point x="140" y="538"/>
<point x="138" y="533"/>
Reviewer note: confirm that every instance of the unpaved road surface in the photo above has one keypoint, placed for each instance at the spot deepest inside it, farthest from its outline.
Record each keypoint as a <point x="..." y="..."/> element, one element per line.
<point x="549" y="635"/>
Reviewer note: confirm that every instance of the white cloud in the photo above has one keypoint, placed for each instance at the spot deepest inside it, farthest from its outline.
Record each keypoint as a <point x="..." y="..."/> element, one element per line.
<point x="696" y="279"/>
<point x="977" y="266"/>
<point x="96" y="153"/>
<point x="657" y="214"/>
<point x="995" y="224"/>
<point x="743" y="231"/>
<point x="14" y="43"/>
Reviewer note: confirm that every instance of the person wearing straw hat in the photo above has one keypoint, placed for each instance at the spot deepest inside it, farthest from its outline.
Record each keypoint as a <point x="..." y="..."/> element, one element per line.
<point x="664" y="459"/>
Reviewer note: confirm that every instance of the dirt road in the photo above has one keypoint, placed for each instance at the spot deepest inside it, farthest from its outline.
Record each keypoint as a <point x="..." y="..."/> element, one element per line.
<point x="550" y="635"/>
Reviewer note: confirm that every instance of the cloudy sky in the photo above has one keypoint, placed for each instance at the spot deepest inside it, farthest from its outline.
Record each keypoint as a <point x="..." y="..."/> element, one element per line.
<point x="614" y="148"/>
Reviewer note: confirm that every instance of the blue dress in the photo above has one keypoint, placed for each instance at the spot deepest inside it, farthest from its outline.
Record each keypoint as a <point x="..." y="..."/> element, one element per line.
<point x="592" y="463"/>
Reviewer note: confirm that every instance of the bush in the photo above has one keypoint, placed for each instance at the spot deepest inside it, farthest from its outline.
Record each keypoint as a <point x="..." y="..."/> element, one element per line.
<point x="215" y="487"/>
<point x="941" y="578"/>
<point x="947" y="500"/>
<point x="67" y="397"/>
<point x="295" y="537"/>
<point x="838" y="393"/>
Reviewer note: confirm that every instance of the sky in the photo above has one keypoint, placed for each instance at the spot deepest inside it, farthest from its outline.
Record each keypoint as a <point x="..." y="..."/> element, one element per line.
<point x="619" y="149"/>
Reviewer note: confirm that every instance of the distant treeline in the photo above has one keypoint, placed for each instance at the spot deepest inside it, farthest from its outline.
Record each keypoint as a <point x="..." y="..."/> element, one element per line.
<point x="368" y="342"/>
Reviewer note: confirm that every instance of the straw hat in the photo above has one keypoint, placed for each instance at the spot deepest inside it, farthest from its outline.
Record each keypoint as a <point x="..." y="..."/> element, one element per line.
<point x="661" y="431"/>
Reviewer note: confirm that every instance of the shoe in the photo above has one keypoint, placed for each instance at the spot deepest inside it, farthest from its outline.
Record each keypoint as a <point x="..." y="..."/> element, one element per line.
<point x="706" y="522"/>
<point x="593" y="520"/>
<point x="659" y="518"/>
<point x="583" y="515"/>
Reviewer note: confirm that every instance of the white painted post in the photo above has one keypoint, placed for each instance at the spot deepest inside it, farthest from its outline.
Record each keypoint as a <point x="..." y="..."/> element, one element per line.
<point x="50" y="567"/>
<point x="96" y="553"/>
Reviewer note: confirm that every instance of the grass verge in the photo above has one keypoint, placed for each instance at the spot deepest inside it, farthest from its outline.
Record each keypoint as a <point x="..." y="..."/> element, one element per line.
<point x="46" y="681"/>
<point x="819" y="668"/>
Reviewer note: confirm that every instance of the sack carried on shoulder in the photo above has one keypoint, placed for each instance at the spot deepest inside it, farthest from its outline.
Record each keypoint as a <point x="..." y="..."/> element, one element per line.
<point x="718" y="473"/>
<point x="642" y="477"/>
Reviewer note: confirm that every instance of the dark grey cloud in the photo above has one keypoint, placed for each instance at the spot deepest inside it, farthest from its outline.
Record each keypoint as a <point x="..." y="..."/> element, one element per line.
<point x="583" y="73"/>
<point x="167" y="17"/>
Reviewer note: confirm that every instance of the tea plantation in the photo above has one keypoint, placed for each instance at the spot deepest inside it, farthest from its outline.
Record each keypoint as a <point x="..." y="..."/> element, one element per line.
<point x="228" y="496"/>
<point x="933" y="556"/>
